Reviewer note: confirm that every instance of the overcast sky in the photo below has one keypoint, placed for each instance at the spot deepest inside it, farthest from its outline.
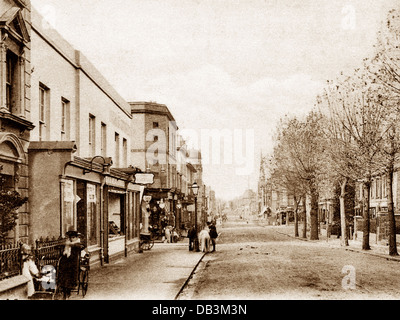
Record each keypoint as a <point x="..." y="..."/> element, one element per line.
<point x="222" y="64"/>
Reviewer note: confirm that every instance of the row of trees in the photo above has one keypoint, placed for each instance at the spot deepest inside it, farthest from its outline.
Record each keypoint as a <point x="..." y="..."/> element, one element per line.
<point x="350" y="136"/>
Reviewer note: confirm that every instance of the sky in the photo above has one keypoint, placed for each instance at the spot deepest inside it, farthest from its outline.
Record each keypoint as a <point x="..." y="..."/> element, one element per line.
<point x="223" y="67"/>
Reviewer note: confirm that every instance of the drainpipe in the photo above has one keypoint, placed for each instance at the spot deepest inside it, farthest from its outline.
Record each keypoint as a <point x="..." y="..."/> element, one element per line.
<point x="102" y="220"/>
<point x="127" y="208"/>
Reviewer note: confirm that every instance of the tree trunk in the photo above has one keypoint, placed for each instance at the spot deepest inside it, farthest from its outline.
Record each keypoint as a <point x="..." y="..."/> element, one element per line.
<point x="314" y="211"/>
<point x="366" y="224"/>
<point x="343" y="221"/>
<point x="392" y="221"/>
<point x="304" y="216"/>
<point x="296" y="218"/>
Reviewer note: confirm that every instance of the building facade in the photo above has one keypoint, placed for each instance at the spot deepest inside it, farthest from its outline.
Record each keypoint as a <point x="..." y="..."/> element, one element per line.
<point x="159" y="149"/>
<point x="15" y="106"/>
<point x="79" y="175"/>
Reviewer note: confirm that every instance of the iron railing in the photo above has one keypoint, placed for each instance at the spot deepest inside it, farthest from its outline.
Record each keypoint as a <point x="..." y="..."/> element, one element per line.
<point x="46" y="251"/>
<point x="10" y="260"/>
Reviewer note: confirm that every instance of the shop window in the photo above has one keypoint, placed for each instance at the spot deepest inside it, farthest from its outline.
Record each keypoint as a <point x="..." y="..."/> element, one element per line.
<point x="87" y="207"/>
<point x="92" y="216"/>
<point x="116" y="214"/>
<point x="67" y="205"/>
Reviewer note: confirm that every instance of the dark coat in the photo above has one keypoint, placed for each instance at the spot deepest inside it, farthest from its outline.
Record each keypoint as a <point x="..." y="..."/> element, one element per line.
<point x="69" y="268"/>
<point x="213" y="232"/>
<point x="192" y="233"/>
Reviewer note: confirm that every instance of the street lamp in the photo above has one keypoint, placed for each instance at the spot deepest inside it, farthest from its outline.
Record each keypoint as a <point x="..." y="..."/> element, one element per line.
<point x="195" y="190"/>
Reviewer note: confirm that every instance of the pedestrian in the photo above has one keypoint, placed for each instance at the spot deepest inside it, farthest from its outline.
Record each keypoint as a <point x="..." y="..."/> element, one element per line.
<point x="69" y="263"/>
<point x="168" y="234"/>
<point x="29" y="268"/>
<point x="192" y="236"/>
<point x="213" y="235"/>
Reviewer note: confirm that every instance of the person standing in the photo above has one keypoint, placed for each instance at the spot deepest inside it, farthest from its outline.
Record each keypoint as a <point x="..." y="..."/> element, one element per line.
<point x="29" y="268"/>
<point x="192" y="235"/>
<point x="69" y="263"/>
<point x="213" y="235"/>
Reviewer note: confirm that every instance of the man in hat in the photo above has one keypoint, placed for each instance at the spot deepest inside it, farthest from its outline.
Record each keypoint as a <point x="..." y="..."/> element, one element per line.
<point x="69" y="263"/>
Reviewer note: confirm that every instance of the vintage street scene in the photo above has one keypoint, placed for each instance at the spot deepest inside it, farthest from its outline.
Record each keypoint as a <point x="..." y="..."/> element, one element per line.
<point x="199" y="150"/>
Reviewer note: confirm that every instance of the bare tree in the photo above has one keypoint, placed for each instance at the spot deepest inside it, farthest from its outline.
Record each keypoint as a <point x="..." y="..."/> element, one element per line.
<point x="357" y="129"/>
<point x="284" y="176"/>
<point x="301" y="141"/>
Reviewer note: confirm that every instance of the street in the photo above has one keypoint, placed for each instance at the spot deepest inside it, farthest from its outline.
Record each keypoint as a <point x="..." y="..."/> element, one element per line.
<point x="253" y="261"/>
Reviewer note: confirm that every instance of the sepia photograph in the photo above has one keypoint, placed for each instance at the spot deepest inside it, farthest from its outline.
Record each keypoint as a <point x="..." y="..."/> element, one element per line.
<point x="198" y="156"/>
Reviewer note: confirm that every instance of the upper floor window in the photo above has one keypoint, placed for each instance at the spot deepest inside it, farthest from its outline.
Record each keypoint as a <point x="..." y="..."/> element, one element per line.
<point x="92" y="134"/>
<point x="103" y="139"/>
<point x="125" y="152"/>
<point x="43" y="110"/>
<point x="11" y="83"/>
<point x="117" y="149"/>
<point x="65" y="111"/>
<point x="155" y="125"/>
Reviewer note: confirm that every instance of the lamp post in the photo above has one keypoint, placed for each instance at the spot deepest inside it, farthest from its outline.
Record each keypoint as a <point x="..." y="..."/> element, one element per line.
<point x="195" y="189"/>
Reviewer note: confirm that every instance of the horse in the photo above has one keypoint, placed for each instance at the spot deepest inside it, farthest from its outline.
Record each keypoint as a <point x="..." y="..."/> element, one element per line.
<point x="204" y="240"/>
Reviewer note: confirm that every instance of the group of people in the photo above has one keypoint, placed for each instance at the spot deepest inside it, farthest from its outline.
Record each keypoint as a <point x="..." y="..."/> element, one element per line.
<point x="171" y="235"/>
<point x="205" y="238"/>
<point x="67" y="277"/>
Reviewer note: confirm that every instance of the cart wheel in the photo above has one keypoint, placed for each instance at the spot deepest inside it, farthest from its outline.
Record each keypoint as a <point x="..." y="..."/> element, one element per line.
<point x="145" y="245"/>
<point x="151" y="243"/>
<point x="84" y="281"/>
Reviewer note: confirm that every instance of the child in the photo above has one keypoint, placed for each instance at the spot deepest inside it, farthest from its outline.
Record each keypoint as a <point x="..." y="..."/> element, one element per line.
<point x="29" y="268"/>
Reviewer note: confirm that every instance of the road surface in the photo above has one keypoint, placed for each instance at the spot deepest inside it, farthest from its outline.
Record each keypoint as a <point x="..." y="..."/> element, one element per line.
<point x="257" y="262"/>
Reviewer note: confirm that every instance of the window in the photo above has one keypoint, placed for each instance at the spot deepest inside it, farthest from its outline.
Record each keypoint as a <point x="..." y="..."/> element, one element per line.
<point x="155" y="125"/>
<point x="43" y="109"/>
<point x="68" y="218"/>
<point x="116" y="149"/>
<point x="92" y="215"/>
<point x="103" y="139"/>
<point x="92" y="134"/>
<point x="64" y="119"/>
<point x="11" y="66"/>
<point x="125" y="152"/>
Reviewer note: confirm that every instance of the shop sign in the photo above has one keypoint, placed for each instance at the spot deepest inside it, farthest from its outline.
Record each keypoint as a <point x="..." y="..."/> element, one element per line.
<point x="68" y="190"/>
<point x="115" y="182"/>
<point x="147" y="198"/>
<point x="91" y="193"/>
<point x="144" y="178"/>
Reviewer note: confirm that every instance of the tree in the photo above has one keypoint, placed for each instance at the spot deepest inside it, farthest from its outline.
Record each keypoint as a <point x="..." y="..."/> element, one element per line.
<point x="10" y="201"/>
<point x="283" y="176"/>
<point x="302" y="145"/>
<point x="385" y="67"/>
<point x="356" y="128"/>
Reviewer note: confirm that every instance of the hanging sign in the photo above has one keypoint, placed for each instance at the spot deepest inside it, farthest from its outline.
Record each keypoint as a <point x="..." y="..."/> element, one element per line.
<point x="144" y="178"/>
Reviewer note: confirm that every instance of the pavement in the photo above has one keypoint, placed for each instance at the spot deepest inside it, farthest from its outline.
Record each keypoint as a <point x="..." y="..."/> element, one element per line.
<point x="157" y="274"/>
<point x="355" y="245"/>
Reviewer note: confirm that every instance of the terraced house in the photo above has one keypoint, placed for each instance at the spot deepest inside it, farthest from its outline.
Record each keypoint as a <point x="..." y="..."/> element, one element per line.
<point x="64" y="142"/>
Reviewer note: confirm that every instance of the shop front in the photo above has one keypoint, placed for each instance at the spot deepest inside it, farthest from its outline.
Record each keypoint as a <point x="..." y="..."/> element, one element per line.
<point x="84" y="194"/>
